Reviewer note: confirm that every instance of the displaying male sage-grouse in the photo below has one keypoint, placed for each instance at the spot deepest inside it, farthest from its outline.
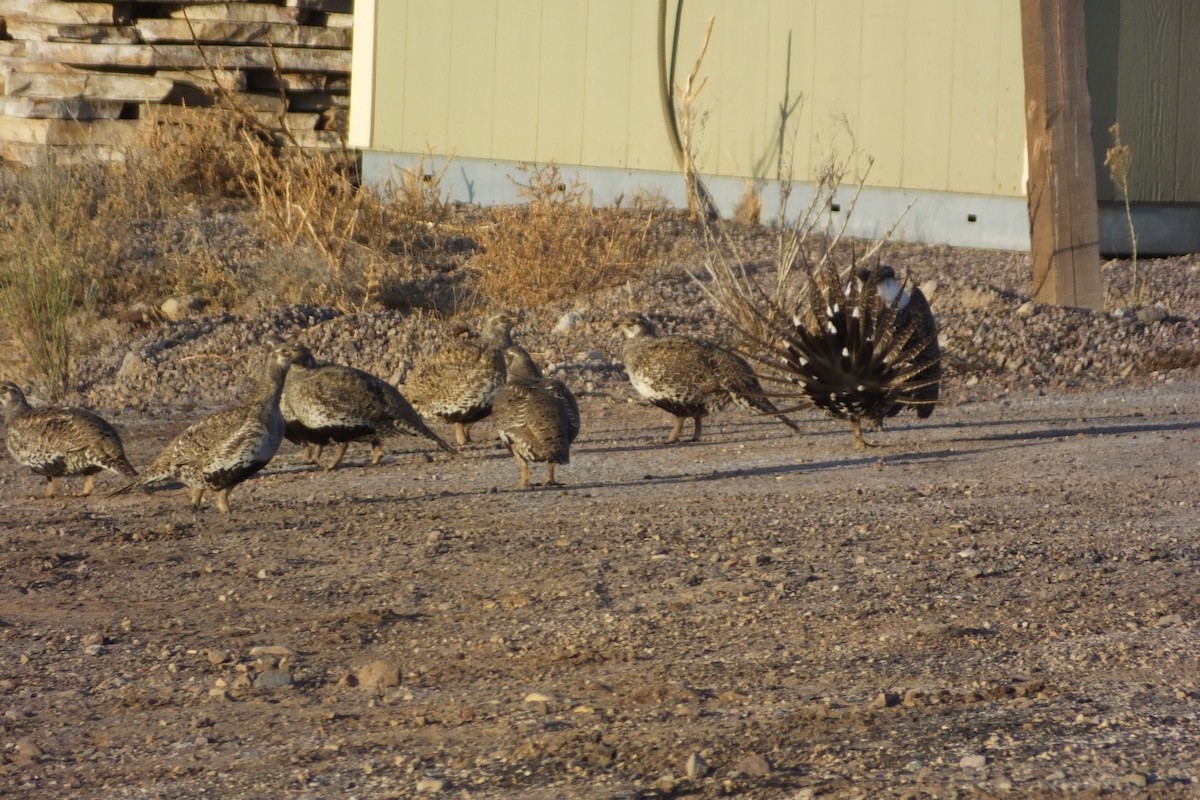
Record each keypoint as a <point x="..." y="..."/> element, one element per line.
<point x="689" y="378"/>
<point x="457" y="383"/>
<point x="330" y="403"/>
<point x="60" y="442"/>
<point x="223" y="449"/>
<point x="863" y="349"/>
<point x="536" y="417"/>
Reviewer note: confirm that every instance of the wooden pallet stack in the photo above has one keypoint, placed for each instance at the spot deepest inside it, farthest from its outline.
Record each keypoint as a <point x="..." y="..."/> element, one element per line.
<point x="84" y="78"/>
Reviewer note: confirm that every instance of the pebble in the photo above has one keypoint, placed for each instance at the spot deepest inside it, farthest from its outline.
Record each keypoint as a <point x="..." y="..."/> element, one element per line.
<point x="27" y="748"/>
<point x="539" y="697"/>
<point x="753" y="766"/>
<point x="273" y="679"/>
<point x="271" y="650"/>
<point x="975" y="761"/>
<point x="1134" y="779"/>
<point x="431" y="785"/>
<point x="378" y="674"/>
<point x="696" y="767"/>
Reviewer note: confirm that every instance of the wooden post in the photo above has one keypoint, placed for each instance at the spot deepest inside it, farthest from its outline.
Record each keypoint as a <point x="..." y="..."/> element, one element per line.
<point x="1064" y="234"/>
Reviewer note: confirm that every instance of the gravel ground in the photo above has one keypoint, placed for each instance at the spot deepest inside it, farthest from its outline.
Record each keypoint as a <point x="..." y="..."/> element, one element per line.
<point x="998" y="602"/>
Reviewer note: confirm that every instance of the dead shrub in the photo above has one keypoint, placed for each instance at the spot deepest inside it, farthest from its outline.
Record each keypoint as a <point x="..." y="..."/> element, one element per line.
<point x="558" y="245"/>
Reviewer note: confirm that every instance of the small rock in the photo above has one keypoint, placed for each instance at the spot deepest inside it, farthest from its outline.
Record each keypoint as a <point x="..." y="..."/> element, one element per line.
<point x="885" y="700"/>
<point x="1134" y="779"/>
<point x="273" y="679"/>
<point x="217" y="657"/>
<point x="95" y="650"/>
<point x="539" y="697"/>
<point x="567" y="321"/>
<point x="1167" y="620"/>
<point x="1026" y="309"/>
<point x="753" y="765"/>
<point x="696" y="767"/>
<point x="378" y="674"/>
<point x="26" y="748"/>
<point x="272" y="650"/>
<point x="431" y="785"/>
<point x="975" y="761"/>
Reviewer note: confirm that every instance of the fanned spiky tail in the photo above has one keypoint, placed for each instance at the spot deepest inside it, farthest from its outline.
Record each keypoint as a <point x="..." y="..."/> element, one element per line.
<point x="843" y="348"/>
<point x="855" y="355"/>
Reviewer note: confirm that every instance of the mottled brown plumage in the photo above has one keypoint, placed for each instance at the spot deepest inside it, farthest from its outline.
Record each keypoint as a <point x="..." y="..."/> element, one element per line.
<point x="536" y="417"/>
<point x="60" y="442"/>
<point x="458" y="383"/>
<point x="330" y="403"/>
<point x="688" y="377"/>
<point x="223" y="449"/>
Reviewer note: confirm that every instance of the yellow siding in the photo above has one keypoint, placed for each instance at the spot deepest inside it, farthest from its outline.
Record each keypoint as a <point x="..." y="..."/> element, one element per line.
<point x="647" y="145"/>
<point x="788" y="116"/>
<point x="739" y="89"/>
<point x="426" y="74"/>
<point x="606" y="82"/>
<point x="931" y="89"/>
<point x="973" y="98"/>
<point x="1009" y="153"/>
<point x="835" y="88"/>
<point x="929" y="66"/>
<point x="882" y="111"/>
<point x="516" y="81"/>
<point x="561" y="82"/>
<point x="391" y="20"/>
<point x="472" y="46"/>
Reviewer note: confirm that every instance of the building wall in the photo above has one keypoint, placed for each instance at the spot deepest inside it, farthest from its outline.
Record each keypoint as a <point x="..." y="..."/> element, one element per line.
<point x="932" y="89"/>
<point x="1144" y="72"/>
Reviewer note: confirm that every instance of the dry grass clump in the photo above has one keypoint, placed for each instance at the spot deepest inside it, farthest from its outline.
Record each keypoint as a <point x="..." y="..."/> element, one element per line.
<point x="52" y="246"/>
<point x="558" y="245"/>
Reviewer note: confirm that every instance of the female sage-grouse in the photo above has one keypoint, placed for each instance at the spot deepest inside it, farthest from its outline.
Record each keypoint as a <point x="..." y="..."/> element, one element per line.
<point x="324" y="403"/>
<point x="863" y="350"/>
<point x="60" y="442"/>
<point x="536" y="417"/>
<point x="689" y="377"/>
<point x="223" y="449"/>
<point x="457" y="384"/>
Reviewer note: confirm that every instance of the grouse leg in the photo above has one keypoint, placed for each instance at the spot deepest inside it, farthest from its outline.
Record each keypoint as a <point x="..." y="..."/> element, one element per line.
<point x="696" y="428"/>
<point x="676" y="429"/>
<point x="338" y="452"/>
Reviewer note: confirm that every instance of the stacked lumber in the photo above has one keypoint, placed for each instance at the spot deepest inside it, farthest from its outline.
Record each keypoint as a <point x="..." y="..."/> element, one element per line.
<point x="84" y="79"/>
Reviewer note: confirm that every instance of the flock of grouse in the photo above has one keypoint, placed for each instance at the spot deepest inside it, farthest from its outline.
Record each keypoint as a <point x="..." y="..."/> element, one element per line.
<point x="862" y="350"/>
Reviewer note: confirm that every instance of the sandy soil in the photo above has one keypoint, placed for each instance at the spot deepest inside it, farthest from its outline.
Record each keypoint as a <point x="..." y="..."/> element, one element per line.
<point x="1002" y="602"/>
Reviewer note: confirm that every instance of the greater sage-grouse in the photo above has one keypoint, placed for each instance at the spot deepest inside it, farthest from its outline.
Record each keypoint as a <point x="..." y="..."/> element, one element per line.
<point x="689" y="377"/>
<point x="457" y="384"/>
<point x="330" y="403"/>
<point x="60" y="442"/>
<point x="863" y="349"/>
<point x="223" y="449"/>
<point x="536" y="417"/>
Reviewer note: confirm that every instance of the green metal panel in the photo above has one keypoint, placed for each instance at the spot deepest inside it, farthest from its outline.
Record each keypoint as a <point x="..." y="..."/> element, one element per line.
<point x="1148" y="94"/>
<point x="1187" y="132"/>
